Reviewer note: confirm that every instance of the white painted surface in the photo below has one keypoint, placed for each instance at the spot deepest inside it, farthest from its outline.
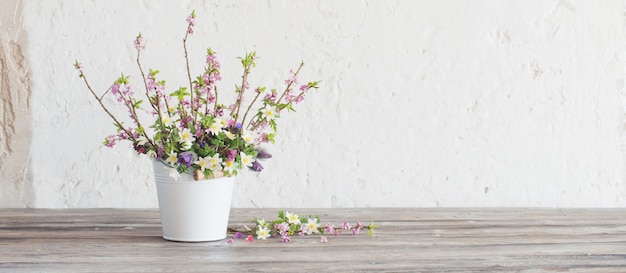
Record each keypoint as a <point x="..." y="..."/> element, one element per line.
<point x="423" y="103"/>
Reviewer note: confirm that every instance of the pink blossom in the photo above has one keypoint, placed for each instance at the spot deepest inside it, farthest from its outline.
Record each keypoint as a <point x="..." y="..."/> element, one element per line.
<point x="250" y="238"/>
<point x="110" y="141"/>
<point x="191" y="20"/>
<point x="345" y="225"/>
<point x="304" y="230"/>
<point x="115" y="89"/>
<point x="323" y="239"/>
<point x="270" y="96"/>
<point x="329" y="228"/>
<point x="282" y="228"/>
<point x="128" y="91"/>
<point x="286" y="239"/>
<point x="292" y="78"/>
<point x="139" y="42"/>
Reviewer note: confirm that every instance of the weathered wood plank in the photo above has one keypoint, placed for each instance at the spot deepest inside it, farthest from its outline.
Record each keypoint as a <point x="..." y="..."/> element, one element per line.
<point x="409" y="240"/>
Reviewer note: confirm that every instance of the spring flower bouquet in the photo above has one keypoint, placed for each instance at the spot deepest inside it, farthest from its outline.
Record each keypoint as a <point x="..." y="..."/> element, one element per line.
<point x="193" y="130"/>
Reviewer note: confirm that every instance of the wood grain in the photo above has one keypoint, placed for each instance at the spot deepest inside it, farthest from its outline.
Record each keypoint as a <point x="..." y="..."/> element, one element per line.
<point x="408" y="240"/>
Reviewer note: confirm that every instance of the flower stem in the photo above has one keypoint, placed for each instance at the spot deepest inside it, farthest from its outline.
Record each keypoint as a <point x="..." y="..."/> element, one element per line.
<point x="243" y="121"/>
<point x="247" y="63"/>
<point x="145" y="83"/>
<point x="193" y="111"/>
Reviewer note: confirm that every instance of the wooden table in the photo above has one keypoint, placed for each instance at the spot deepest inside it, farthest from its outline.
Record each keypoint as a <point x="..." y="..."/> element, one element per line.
<point x="408" y="240"/>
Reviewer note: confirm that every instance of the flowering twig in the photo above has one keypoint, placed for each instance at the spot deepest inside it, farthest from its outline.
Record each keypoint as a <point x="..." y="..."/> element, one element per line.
<point x="79" y="67"/>
<point x="247" y="63"/>
<point x="191" y="21"/>
<point x="290" y="224"/>
<point x="291" y="82"/>
<point x="139" y="46"/>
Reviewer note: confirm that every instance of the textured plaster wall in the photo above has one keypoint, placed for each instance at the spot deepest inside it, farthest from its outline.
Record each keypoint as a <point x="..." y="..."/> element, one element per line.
<point x="15" y="110"/>
<point x="423" y="103"/>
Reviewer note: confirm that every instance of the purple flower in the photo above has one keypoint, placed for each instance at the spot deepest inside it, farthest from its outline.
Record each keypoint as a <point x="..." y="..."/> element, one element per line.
<point x="262" y="154"/>
<point x="230" y="241"/>
<point x="232" y="154"/>
<point x="286" y="239"/>
<point x="238" y="125"/>
<point x="185" y="159"/>
<point x="238" y="235"/>
<point x="256" y="166"/>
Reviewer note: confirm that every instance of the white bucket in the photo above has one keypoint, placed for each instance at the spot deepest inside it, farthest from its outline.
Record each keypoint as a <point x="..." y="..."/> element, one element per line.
<point x="193" y="211"/>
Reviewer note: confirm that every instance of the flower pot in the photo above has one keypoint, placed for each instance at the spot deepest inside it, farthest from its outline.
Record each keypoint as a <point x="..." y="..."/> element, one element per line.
<point x="193" y="211"/>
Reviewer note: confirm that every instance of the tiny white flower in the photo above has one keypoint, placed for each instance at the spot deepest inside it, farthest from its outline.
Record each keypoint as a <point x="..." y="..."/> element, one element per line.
<point x="172" y="158"/>
<point x="269" y="112"/>
<point x="246" y="160"/>
<point x="142" y="140"/>
<point x="186" y="136"/>
<point x="214" y="162"/>
<point x="186" y="145"/>
<point x="229" y="166"/>
<point x="293" y="218"/>
<point x="167" y="121"/>
<point x="173" y="173"/>
<point x="229" y="135"/>
<point x="151" y="154"/>
<point x="248" y="138"/>
<point x="312" y="226"/>
<point x="262" y="233"/>
<point x="216" y="127"/>
<point x="203" y="162"/>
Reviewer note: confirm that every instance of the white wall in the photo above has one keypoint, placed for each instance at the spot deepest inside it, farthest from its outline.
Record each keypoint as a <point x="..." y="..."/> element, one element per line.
<point x="423" y="103"/>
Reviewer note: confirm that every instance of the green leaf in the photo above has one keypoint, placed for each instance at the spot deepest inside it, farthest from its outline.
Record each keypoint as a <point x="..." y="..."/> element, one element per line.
<point x="137" y="104"/>
<point x="313" y="84"/>
<point x="180" y="93"/>
<point x="371" y="229"/>
<point x="122" y="79"/>
<point x="281" y="215"/>
<point x="154" y="72"/>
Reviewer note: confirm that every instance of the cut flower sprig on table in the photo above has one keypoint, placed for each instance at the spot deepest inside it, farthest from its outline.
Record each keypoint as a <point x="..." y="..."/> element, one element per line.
<point x="193" y="129"/>
<point x="290" y="224"/>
